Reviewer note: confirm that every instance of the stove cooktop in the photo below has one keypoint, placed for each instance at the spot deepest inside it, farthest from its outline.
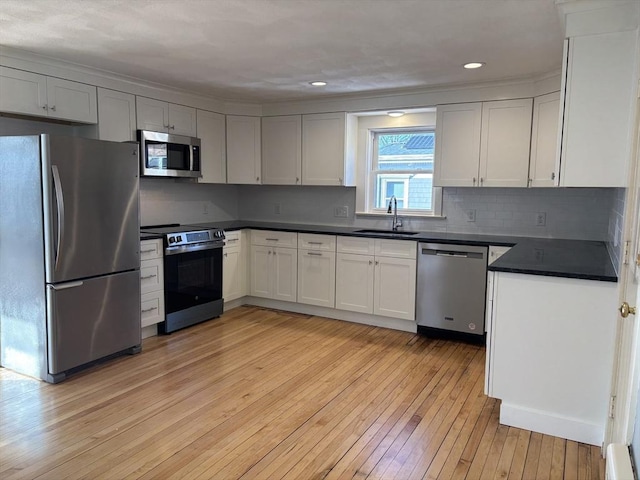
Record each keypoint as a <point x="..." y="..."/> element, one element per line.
<point x="177" y="235"/>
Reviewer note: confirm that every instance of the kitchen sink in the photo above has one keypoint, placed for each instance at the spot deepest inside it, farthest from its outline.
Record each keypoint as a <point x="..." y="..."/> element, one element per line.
<point x="387" y="232"/>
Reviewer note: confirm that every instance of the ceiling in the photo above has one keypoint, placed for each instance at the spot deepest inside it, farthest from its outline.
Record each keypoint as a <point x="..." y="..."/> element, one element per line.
<point x="269" y="50"/>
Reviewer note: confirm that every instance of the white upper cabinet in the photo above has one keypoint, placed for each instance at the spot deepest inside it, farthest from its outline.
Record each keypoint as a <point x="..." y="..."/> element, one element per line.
<point x="324" y="149"/>
<point x="483" y="144"/>
<point x="116" y="116"/>
<point x="213" y="147"/>
<point x="159" y="116"/>
<point x="31" y="94"/>
<point x="544" y="163"/>
<point x="243" y="149"/>
<point x="597" y="109"/>
<point x="282" y="150"/>
<point x="457" y="150"/>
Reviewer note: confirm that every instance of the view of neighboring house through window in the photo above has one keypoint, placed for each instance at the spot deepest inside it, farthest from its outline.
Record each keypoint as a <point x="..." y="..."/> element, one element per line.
<point x="402" y="165"/>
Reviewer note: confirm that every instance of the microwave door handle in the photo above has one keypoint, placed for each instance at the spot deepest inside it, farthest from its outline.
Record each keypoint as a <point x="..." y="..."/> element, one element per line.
<point x="57" y="185"/>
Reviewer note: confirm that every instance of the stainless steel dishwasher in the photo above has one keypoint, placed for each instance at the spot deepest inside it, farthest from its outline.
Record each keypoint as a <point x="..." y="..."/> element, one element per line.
<point x="451" y="290"/>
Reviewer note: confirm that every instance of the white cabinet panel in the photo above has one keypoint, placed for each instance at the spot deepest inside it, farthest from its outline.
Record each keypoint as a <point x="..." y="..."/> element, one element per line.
<point x="395" y="248"/>
<point x="182" y="120"/>
<point x="151" y="308"/>
<point x="31" y="94"/>
<point x="151" y="282"/>
<point x="273" y="238"/>
<point x="323" y="149"/>
<point x="232" y="274"/>
<point x="151" y="275"/>
<point x="312" y="241"/>
<point x="597" y="109"/>
<point x="394" y="290"/>
<point x="23" y="92"/>
<point x="284" y="274"/>
<point x="213" y="147"/>
<point x="354" y="282"/>
<point x="544" y="165"/>
<point x="261" y="271"/>
<point x="505" y="142"/>
<point x="72" y="101"/>
<point x="116" y="116"/>
<point x="152" y="114"/>
<point x="282" y="150"/>
<point x="243" y="150"/>
<point x="457" y="150"/>
<point x="317" y="278"/>
<point x="150" y="249"/>
<point x="357" y="245"/>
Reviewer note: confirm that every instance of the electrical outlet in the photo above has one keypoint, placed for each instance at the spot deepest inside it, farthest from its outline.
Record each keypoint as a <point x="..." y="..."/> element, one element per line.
<point x="471" y="215"/>
<point x="277" y="208"/>
<point x="342" y="211"/>
<point x="541" y="219"/>
<point x="538" y="254"/>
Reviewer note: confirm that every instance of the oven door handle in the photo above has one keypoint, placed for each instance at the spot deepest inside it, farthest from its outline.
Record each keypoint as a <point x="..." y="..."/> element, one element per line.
<point x="194" y="247"/>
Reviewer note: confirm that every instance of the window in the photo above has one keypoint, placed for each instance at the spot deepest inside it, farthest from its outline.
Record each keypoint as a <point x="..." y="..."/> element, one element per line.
<point x="401" y="165"/>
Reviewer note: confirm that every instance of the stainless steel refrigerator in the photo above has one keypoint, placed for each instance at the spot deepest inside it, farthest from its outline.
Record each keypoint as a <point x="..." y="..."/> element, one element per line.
<point x="69" y="253"/>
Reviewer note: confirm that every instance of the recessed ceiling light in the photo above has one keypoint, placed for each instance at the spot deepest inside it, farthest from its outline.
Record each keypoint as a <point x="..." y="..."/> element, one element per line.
<point x="473" y="65"/>
<point x="395" y="113"/>
<point x="318" y="84"/>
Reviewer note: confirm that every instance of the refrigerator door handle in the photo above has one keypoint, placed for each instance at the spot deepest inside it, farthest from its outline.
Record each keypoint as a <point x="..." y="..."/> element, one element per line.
<point x="57" y="184"/>
<point x="64" y="286"/>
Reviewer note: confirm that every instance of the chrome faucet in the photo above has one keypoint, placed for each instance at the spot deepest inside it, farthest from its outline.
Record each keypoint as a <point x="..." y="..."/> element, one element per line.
<point x="396" y="223"/>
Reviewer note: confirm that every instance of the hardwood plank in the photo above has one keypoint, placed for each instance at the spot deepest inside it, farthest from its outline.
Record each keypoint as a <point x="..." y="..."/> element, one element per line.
<point x="261" y="394"/>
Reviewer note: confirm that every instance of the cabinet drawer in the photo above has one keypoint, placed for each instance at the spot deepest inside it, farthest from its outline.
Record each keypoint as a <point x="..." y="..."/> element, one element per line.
<point x="311" y="241"/>
<point x="232" y="239"/>
<point x="395" y="248"/>
<point x="150" y="249"/>
<point x="151" y="275"/>
<point x="152" y="308"/>
<point x="273" y="238"/>
<point x="357" y="245"/>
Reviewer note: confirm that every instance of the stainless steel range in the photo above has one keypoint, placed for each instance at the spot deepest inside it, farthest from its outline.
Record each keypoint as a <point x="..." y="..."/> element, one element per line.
<point x="192" y="274"/>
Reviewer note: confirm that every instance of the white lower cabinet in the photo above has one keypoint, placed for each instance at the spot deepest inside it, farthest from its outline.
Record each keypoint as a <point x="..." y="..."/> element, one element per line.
<point x="274" y="269"/>
<point x="151" y="282"/>
<point x="317" y="270"/>
<point x="376" y="284"/>
<point x="233" y="267"/>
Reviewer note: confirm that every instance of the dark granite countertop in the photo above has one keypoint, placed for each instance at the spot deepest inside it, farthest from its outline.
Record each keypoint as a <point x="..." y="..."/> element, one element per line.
<point x="582" y="259"/>
<point x="149" y="236"/>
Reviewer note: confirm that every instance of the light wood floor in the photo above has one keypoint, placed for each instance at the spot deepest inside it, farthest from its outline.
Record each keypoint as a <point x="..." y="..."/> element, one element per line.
<point x="259" y="394"/>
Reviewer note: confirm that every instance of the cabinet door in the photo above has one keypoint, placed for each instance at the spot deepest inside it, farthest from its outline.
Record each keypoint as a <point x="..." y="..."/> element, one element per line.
<point x="544" y="165"/>
<point x="505" y="142"/>
<point x="323" y="149"/>
<point x="260" y="271"/>
<point x="213" y="151"/>
<point x="317" y="278"/>
<point x="243" y="149"/>
<point x="394" y="290"/>
<point x="23" y="92"/>
<point x="457" y="145"/>
<point x="281" y="150"/>
<point x="152" y="114"/>
<point x="285" y="274"/>
<point x="598" y="109"/>
<point x="354" y="282"/>
<point x="232" y="274"/>
<point x="72" y="100"/>
<point x="116" y="116"/>
<point x="182" y="120"/>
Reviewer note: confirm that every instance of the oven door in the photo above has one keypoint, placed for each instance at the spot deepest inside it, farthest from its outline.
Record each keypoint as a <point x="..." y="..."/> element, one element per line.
<point x="192" y="278"/>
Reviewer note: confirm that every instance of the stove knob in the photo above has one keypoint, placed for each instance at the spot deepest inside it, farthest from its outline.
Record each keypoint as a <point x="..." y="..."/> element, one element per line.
<point x="172" y="239"/>
<point x="178" y="238"/>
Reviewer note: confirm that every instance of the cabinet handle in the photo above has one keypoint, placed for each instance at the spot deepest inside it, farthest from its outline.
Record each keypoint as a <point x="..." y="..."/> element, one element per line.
<point x="314" y="243"/>
<point x="553" y="175"/>
<point x="272" y="239"/>
<point x="45" y="106"/>
<point x="481" y="180"/>
<point x="340" y="180"/>
<point x="148" y="251"/>
<point x="257" y="179"/>
<point x="225" y="254"/>
<point x="314" y="254"/>
<point x="53" y="108"/>
<point x="474" y="181"/>
<point x="370" y="262"/>
<point x="377" y="262"/>
<point x="149" y="309"/>
<point x="146" y="277"/>
<point x="166" y="126"/>
<point x="232" y="239"/>
<point x="172" y="127"/>
<point x="297" y="180"/>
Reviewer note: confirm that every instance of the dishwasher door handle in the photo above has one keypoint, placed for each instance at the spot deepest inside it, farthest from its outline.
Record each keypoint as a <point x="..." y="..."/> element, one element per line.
<point x="449" y="253"/>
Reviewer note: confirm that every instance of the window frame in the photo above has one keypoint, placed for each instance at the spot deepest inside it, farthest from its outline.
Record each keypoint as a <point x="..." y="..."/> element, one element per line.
<point x="373" y="170"/>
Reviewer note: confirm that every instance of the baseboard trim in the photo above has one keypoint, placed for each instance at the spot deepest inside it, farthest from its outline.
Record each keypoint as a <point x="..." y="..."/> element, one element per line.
<point x="374" y="320"/>
<point x="549" y="424"/>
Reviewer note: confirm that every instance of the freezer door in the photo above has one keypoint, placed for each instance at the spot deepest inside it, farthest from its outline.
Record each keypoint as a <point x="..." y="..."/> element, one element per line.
<point x="90" y="319"/>
<point x="91" y="207"/>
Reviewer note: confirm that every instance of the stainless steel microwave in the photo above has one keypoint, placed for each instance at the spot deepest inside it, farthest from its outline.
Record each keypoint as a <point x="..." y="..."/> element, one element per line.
<point x="168" y="155"/>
